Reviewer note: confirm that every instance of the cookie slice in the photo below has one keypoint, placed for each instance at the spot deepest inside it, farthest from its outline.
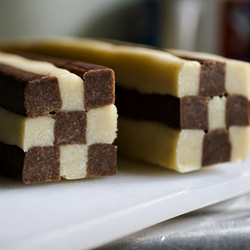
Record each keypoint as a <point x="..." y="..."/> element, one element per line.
<point x="43" y="135"/>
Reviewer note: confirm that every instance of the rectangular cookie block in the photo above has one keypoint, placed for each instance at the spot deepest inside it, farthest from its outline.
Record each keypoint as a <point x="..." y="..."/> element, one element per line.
<point x="41" y="139"/>
<point x="179" y="110"/>
<point x="212" y="126"/>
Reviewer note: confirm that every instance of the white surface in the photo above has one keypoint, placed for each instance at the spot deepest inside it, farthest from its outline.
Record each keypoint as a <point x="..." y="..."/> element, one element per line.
<point x="88" y="213"/>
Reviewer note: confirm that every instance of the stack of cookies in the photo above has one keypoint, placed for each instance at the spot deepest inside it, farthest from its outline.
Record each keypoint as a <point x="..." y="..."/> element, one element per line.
<point x="177" y="109"/>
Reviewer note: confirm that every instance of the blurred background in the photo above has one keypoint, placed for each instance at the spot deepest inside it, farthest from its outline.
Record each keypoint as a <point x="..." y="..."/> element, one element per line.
<point x="216" y="26"/>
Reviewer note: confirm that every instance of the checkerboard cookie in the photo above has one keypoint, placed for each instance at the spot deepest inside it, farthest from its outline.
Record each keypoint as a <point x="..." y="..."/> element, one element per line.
<point x="58" y="119"/>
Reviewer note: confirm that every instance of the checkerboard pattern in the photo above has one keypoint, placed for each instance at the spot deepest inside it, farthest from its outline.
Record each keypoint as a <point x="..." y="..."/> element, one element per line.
<point x="80" y="141"/>
<point x="220" y="113"/>
<point x="216" y="111"/>
<point x="222" y="117"/>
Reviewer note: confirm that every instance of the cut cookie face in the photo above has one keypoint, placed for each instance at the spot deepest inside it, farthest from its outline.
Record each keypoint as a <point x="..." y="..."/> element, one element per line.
<point x="55" y="123"/>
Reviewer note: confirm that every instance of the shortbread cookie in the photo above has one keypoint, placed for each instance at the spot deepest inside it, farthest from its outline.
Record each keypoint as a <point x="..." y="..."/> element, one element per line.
<point x="179" y="110"/>
<point x="55" y="123"/>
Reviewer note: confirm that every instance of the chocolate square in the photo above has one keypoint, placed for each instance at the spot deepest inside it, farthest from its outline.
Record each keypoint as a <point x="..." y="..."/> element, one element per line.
<point x="237" y="111"/>
<point x="216" y="147"/>
<point x="194" y="112"/>
<point x="70" y="127"/>
<point x="27" y="93"/>
<point x="42" y="96"/>
<point x="101" y="160"/>
<point x="41" y="164"/>
<point x="212" y="78"/>
<point x="99" y="88"/>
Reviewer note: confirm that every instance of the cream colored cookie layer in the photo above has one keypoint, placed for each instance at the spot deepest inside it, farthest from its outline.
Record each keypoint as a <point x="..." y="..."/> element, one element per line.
<point x="180" y="150"/>
<point x="71" y="86"/>
<point x="236" y="71"/>
<point x="102" y="125"/>
<point x="145" y="69"/>
<point x="217" y="113"/>
<point x="240" y="142"/>
<point x="156" y="143"/>
<point x="73" y="161"/>
<point x="26" y="132"/>
<point x="39" y="131"/>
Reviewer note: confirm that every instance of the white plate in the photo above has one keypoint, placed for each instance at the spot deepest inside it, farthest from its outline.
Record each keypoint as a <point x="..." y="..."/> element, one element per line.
<point x="88" y="213"/>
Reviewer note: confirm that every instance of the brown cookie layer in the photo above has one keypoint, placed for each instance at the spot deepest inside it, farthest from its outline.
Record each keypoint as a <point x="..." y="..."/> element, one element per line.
<point x="189" y="112"/>
<point x="70" y="128"/>
<point x="237" y="111"/>
<point x="194" y="112"/>
<point x="39" y="164"/>
<point x="27" y="93"/>
<point x="101" y="160"/>
<point x="216" y="147"/>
